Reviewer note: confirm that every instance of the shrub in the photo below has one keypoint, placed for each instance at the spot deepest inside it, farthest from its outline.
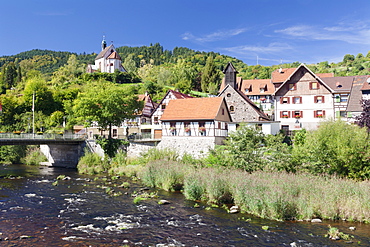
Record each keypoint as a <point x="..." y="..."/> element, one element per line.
<point x="92" y="163"/>
<point x="34" y="156"/>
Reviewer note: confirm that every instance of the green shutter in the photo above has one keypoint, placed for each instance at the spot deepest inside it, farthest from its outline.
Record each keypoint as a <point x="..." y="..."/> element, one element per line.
<point x="337" y="99"/>
<point x="349" y="114"/>
<point x="337" y="114"/>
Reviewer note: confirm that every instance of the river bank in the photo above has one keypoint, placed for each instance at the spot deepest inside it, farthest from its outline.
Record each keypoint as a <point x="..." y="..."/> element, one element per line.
<point x="270" y="195"/>
<point x="81" y="210"/>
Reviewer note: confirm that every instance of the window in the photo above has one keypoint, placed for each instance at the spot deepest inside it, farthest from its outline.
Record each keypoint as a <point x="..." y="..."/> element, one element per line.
<point x="319" y="114"/>
<point x="284" y="100"/>
<point x="202" y="128"/>
<point x="156" y="120"/>
<point x="297" y="100"/>
<point x="115" y="134"/>
<point x="343" y="97"/>
<point x="232" y="109"/>
<point x="228" y="95"/>
<point x="163" y="106"/>
<point x="222" y="111"/>
<point x="319" y="99"/>
<point x="314" y="85"/>
<point x="292" y="86"/>
<point x="284" y="114"/>
<point x="297" y="114"/>
<point x="187" y="128"/>
<point x="173" y="128"/>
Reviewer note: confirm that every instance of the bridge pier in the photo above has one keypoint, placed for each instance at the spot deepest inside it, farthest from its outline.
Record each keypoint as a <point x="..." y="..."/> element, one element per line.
<point x="63" y="155"/>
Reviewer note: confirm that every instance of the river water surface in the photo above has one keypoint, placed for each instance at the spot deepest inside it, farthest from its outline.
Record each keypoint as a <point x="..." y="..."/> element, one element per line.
<point x="35" y="210"/>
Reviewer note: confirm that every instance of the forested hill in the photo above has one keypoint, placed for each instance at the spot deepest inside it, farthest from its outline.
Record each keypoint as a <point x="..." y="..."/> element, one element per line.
<point x="47" y="61"/>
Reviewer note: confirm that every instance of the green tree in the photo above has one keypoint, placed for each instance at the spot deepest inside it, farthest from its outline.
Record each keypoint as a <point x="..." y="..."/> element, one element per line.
<point x="68" y="73"/>
<point x="129" y="63"/>
<point x="242" y="150"/>
<point x="106" y="104"/>
<point x="44" y="100"/>
<point x="335" y="148"/>
<point x="210" y="75"/>
<point x="9" y="76"/>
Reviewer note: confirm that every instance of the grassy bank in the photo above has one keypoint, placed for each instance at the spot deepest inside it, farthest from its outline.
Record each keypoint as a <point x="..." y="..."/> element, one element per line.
<point x="272" y="195"/>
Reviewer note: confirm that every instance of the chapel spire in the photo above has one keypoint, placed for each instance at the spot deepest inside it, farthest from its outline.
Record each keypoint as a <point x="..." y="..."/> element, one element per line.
<point x="103" y="43"/>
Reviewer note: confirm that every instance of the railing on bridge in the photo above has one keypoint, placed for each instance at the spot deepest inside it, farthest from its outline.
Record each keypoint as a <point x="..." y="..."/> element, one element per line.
<point x="43" y="136"/>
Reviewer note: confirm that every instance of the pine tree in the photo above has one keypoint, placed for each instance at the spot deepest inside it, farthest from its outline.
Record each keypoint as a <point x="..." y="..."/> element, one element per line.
<point x="210" y="76"/>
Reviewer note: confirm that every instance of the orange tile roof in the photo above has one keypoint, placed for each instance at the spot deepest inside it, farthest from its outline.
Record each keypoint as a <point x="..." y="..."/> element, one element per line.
<point x="114" y="55"/>
<point x="323" y="75"/>
<point x="280" y="75"/>
<point x="255" y="85"/>
<point x="192" y="109"/>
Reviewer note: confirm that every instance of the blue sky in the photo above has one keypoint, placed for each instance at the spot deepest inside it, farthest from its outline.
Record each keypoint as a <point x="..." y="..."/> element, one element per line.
<point x="308" y="31"/>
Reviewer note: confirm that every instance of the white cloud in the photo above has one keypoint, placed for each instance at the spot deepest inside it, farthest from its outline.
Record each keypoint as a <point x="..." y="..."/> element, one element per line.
<point x="355" y="33"/>
<point x="271" y="48"/>
<point x="219" y="35"/>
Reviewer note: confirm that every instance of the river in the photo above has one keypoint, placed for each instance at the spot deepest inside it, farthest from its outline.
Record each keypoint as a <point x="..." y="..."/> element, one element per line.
<point x="36" y="209"/>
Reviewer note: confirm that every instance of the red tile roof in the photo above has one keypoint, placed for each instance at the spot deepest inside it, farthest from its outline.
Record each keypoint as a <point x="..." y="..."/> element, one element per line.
<point x="255" y="86"/>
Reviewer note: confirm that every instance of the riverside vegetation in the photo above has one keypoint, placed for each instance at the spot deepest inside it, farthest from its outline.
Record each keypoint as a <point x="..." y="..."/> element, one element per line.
<point x="319" y="174"/>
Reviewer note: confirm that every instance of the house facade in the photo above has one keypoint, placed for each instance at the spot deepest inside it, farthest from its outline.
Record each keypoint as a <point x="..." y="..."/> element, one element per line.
<point x="303" y="100"/>
<point x="194" y="125"/>
<point x="156" y="123"/>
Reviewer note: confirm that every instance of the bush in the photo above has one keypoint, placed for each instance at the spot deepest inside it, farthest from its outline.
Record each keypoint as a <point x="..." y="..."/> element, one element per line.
<point x="92" y="163"/>
<point x="335" y="148"/>
<point x="34" y="156"/>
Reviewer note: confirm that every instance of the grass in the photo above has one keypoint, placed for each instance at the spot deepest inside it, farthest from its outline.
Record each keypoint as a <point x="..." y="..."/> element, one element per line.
<point x="272" y="195"/>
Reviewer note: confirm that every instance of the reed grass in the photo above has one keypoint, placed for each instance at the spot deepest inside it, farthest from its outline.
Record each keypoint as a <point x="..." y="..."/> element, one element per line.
<point x="272" y="195"/>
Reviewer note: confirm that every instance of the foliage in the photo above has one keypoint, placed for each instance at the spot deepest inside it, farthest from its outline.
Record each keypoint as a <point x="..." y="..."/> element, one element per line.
<point x="34" y="156"/>
<point x="211" y="78"/>
<point x="12" y="154"/>
<point x="242" y="150"/>
<point x="106" y="105"/>
<point x="335" y="148"/>
<point x="110" y="145"/>
<point x="92" y="163"/>
<point x="364" y="119"/>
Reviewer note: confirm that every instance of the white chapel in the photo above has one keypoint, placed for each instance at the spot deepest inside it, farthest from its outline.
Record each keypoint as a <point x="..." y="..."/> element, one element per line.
<point x="108" y="60"/>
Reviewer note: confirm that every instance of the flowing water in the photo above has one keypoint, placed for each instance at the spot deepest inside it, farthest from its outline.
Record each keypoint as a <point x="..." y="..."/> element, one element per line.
<point x="35" y="210"/>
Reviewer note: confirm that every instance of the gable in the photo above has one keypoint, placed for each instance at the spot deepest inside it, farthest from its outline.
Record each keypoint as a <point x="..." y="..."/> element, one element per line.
<point x="244" y="109"/>
<point x="301" y="81"/>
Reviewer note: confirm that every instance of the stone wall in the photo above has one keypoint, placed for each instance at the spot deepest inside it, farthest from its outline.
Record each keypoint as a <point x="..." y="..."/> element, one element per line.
<point x="136" y="148"/>
<point x="195" y="146"/>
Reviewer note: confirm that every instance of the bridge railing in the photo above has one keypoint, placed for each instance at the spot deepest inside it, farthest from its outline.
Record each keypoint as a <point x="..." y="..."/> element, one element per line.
<point x="42" y="136"/>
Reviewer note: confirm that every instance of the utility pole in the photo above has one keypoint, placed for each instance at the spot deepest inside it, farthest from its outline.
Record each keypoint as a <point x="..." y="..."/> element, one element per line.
<point x="33" y="114"/>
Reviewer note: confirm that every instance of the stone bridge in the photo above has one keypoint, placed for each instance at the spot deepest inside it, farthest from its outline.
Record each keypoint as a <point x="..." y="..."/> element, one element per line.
<point x="60" y="150"/>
